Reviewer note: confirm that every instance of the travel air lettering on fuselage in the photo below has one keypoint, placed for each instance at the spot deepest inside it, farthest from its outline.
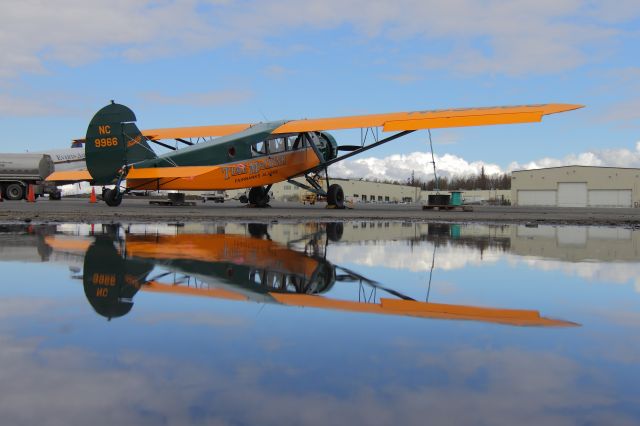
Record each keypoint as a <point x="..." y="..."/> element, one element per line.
<point x="253" y="169"/>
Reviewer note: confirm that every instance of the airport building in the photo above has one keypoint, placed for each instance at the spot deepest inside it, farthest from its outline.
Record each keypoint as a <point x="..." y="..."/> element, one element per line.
<point x="362" y="191"/>
<point x="576" y="186"/>
<point x="354" y="191"/>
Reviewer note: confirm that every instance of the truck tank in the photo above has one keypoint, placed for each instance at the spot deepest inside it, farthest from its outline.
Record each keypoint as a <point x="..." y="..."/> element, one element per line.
<point x="26" y="166"/>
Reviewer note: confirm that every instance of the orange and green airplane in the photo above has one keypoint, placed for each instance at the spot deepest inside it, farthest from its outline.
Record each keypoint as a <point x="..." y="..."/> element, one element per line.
<point x="254" y="156"/>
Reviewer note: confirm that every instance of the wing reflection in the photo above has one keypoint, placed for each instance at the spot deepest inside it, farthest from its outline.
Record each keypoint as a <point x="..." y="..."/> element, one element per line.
<point x="253" y="267"/>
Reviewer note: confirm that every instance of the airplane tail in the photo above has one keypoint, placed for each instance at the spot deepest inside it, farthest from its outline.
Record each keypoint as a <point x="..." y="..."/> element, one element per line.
<point x="113" y="141"/>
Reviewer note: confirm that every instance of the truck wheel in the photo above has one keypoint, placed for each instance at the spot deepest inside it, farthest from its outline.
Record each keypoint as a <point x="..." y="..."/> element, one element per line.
<point x="55" y="196"/>
<point x="112" y="198"/>
<point x="15" y="191"/>
<point x="335" y="196"/>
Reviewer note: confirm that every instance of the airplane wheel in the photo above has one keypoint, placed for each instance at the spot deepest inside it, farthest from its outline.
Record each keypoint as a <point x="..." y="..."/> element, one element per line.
<point x="258" y="230"/>
<point x="112" y="198"/>
<point x="14" y="191"/>
<point x="258" y="196"/>
<point x="334" y="231"/>
<point x="335" y="196"/>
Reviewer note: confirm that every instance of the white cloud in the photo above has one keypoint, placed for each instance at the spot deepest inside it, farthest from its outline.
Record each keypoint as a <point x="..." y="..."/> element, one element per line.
<point x="416" y="257"/>
<point x="618" y="157"/>
<point x="76" y="32"/>
<point x="400" y="166"/>
<point x="524" y="37"/>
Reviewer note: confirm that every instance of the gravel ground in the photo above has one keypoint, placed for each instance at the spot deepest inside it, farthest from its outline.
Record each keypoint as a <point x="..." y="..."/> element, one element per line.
<point x="139" y="210"/>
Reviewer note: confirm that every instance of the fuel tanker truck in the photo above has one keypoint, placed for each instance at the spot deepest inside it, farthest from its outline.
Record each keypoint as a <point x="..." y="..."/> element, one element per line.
<point x="18" y="171"/>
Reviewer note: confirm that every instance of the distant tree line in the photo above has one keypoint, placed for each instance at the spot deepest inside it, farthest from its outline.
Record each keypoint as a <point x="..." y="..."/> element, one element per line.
<point x="480" y="181"/>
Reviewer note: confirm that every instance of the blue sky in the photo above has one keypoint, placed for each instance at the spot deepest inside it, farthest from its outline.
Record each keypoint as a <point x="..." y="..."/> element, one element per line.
<point x="178" y="63"/>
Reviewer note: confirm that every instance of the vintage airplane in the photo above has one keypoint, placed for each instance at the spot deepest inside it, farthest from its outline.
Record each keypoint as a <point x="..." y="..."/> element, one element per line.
<point x="254" y="155"/>
<point x="249" y="268"/>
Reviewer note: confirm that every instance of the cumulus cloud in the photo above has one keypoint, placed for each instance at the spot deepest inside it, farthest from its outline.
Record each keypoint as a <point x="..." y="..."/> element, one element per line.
<point x="399" y="167"/>
<point x="617" y="157"/>
<point x="416" y="257"/>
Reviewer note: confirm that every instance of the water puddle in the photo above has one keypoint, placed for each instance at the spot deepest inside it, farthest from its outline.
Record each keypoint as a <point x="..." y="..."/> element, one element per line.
<point x="307" y="323"/>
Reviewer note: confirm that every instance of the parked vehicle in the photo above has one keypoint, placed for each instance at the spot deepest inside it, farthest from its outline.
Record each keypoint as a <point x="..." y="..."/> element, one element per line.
<point x="18" y="171"/>
<point x="215" y="196"/>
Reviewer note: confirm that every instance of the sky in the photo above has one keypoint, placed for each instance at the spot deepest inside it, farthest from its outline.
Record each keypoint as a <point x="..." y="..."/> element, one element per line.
<point x="198" y="62"/>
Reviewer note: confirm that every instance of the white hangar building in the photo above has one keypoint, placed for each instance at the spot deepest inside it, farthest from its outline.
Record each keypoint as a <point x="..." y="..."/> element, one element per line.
<point x="576" y="186"/>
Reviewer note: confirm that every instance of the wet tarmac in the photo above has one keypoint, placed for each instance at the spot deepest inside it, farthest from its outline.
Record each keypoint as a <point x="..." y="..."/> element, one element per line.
<point x="139" y="210"/>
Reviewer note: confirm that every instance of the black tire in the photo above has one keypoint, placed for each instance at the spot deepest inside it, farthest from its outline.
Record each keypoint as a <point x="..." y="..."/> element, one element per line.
<point x="112" y="198"/>
<point x="14" y="191"/>
<point x="243" y="199"/>
<point x="55" y="196"/>
<point x="335" y="231"/>
<point x="335" y="196"/>
<point x="258" y="230"/>
<point x="258" y="196"/>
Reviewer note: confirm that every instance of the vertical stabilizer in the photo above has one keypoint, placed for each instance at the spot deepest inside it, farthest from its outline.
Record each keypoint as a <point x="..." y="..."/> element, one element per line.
<point x="113" y="141"/>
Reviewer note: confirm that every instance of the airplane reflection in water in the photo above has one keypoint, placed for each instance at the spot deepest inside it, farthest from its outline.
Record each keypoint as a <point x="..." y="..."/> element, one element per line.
<point x="246" y="267"/>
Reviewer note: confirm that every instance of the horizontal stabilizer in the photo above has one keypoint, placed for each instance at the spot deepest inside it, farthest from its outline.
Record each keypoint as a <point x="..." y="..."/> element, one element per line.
<point x="69" y="176"/>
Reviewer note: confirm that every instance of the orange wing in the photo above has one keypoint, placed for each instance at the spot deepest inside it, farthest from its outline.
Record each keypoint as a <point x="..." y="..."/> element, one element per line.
<point x="435" y="119"/>
<point x="395" y="121"/>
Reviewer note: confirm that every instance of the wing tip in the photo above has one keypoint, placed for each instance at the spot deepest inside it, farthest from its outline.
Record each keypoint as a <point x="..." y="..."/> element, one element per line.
<point x="558" y="108"/>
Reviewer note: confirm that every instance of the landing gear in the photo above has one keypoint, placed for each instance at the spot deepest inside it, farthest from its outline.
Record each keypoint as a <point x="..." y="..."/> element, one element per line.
<point x="259" y="196"/>
<point x="112" y="197"/>
<point x="335" y="196"/>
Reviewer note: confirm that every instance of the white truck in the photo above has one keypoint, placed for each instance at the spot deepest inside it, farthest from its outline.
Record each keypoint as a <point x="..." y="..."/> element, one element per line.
<point x="18" y="171"/>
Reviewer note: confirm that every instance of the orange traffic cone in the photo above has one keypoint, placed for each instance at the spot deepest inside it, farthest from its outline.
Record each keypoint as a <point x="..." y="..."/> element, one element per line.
<point x="31" y="196"/>
<point x="92" y="198"/>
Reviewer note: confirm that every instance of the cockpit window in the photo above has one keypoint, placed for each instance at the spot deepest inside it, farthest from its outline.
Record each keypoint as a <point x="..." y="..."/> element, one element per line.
<point x="277" y="145"/>
<point x="259" y="148"/>
<point x="283" y="143"/>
